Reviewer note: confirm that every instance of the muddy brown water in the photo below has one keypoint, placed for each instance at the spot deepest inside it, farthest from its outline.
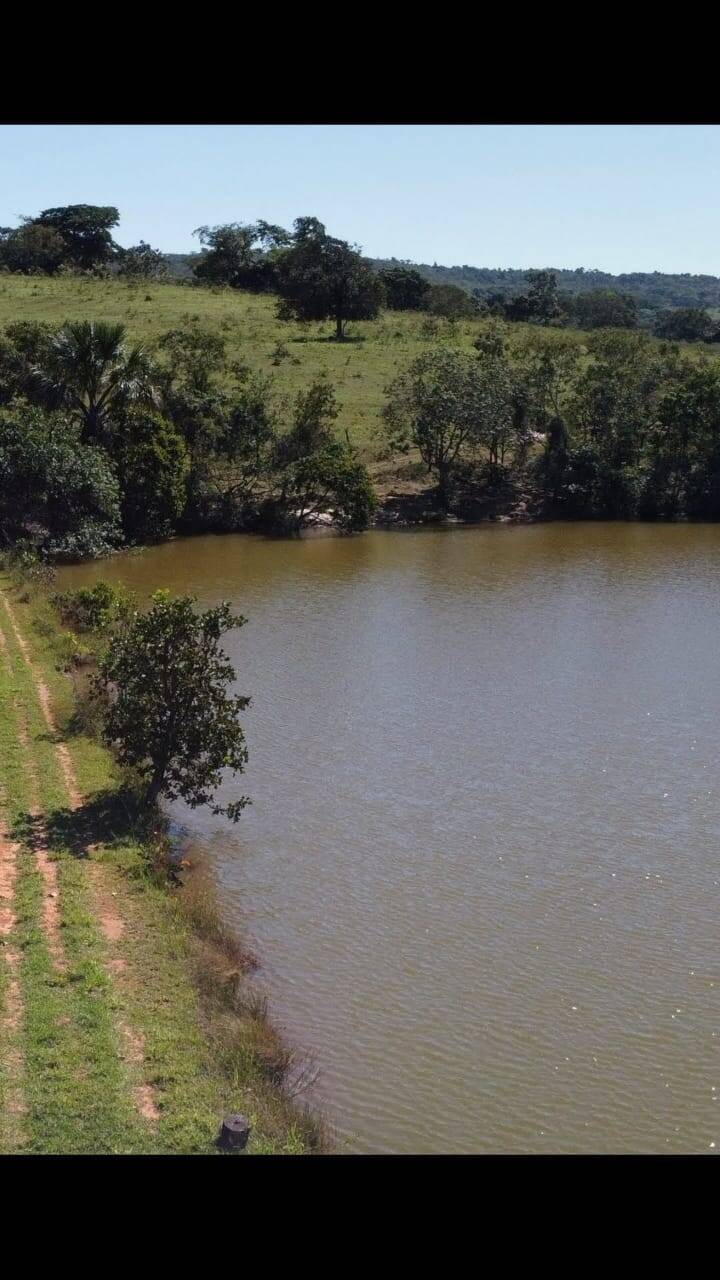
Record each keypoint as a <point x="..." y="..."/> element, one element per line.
<point x="482" y="864"/>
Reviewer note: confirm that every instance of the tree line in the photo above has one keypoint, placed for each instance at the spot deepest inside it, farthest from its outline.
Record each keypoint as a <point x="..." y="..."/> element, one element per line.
<point x="103" y="443"/>
<point x="316" y="276"/>
<point x="619" y="427"/>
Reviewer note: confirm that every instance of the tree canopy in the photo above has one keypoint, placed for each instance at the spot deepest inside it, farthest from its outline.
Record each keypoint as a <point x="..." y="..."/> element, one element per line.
<point x="170" y="717"/>
<point x="405" y="288"/>
<point x="88" y="370"/>
<point x="54" y="489"/>
<point x="321" y="277"/>
<point x="240" y="254"/>
<point x="85" y="232"/>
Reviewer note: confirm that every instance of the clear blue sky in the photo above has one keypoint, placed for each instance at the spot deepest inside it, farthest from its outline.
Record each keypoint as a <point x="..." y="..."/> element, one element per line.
<point x="615" y="197"/>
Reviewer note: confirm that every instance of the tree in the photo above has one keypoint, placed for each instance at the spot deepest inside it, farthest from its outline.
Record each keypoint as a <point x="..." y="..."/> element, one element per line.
<point x="330" y="479"/>
<point x="314" y="412"/>
<point x="498" y="406"/>
<point x="683" y="443"/>
<point x="23" y="344"/>
<point x="322" y="278"/>
<point x="405" y="288"/>
<point x="55" y="488"/>
<point x="85" y="231"/>
<point x="193" y="358"/>
<point x="169" y="715"/>
<point x="32" y="250"/>
<point x="601" y="309"/>
<point x="317" y="473"/>
<point x="686" y="324"/>
<point x="240" y="254"/>
<point x="89" y="371"/>
<point x="142" y="262"/>
<point x="542" y="296"/>
<point x="451" y="301"/>
<point x="153" y="465"/>
<point x="432" y="405"/>
<point x="248" y="432"/>
<point x="539" y="305"/>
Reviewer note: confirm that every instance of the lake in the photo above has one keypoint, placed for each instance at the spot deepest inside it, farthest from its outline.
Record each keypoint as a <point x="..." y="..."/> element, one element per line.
<point x="482" y="862"/>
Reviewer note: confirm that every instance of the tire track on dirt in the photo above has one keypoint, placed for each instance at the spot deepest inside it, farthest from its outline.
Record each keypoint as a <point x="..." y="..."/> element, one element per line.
<point x="107" y="914"/>
<point x="37" y="839"/>
<point x="11" y="1016"/>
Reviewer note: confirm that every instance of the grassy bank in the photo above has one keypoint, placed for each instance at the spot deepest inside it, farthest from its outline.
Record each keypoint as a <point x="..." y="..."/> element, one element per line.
<point x="128" y="1018"/>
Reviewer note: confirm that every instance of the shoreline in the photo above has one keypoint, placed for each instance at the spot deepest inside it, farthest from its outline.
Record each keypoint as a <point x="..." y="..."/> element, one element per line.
<point x="124" y="998"/>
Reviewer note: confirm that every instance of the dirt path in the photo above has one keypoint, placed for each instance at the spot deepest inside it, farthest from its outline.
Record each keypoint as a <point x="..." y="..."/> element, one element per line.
<point x="105" y="910"/>
<point x="11" y="1017"/>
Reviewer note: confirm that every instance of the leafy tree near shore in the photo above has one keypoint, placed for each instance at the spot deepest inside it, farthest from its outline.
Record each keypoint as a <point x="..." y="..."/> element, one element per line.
<point x="446" y="404"/>
<point x="330" y="479"/>
<point x="153" y="465"/>
<point x="89" y="371"/>
<point x="191" y="361"/>
<point x="169" y="715"/>
<point x="314" y="412"/>
<point x="55" y="489"/>
<point x="322" y="278"/>
<point x="22" y="345"/>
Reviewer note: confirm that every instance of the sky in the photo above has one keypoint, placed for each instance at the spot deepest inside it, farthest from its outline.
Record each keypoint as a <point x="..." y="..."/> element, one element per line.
<point x="612" y="197"/>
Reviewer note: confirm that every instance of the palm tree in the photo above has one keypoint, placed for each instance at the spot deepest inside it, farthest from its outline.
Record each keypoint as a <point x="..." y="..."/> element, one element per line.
<point x="90" y="371"/>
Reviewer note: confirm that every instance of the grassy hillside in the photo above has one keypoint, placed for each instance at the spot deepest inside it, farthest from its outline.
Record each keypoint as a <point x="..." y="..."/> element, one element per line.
<point x="359" y="369"/>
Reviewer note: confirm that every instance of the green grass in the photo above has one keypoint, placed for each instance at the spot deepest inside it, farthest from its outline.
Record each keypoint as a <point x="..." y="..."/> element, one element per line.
<point x="360" y="369"/>
<point x="208" y="1047"/>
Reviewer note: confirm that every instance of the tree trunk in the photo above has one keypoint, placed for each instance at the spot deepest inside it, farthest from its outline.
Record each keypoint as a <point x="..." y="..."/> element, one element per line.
<point x="339" y="328"/>
<point x="156" y="782"/>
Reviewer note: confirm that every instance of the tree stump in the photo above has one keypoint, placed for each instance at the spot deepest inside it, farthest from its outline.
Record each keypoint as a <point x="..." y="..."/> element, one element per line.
<point x="234" y="1133"/>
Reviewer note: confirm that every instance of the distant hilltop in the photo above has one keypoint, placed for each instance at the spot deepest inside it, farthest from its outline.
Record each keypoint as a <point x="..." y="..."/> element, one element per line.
<point x="650" y="289"/>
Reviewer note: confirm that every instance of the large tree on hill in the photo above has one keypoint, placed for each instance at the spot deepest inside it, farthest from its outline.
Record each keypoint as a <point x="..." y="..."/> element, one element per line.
<point x="32" y="250"/>
<point x="240" y="254"/>
<point x="85" y="230"/>
<point x="89" y="371"/>
<point x="321" y="278"/>
<point x="142" y="262"/>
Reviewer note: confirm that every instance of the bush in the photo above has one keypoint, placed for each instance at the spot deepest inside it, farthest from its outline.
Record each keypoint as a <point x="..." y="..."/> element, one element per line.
<point x="153" y="465"/>
<point x="55" y="491"/>
<point x="94" y="608"/>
